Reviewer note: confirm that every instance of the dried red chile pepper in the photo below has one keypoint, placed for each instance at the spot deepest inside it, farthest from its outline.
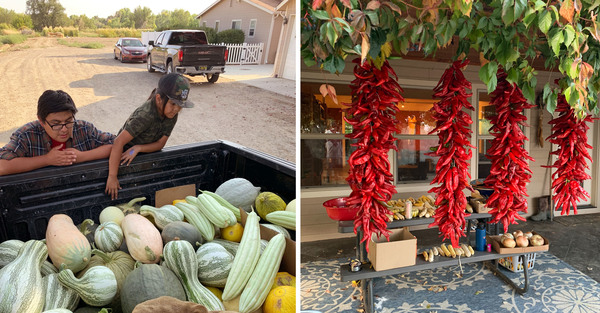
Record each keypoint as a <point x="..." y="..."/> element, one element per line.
<point x="510" y="171"/>
<point x="372" y="115"/>
<point x="570" y="134"/>
<point x="454" y="133"/>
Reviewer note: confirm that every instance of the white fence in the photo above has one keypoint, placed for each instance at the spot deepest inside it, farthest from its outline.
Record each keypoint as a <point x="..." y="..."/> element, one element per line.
<point x="244" y="53"/>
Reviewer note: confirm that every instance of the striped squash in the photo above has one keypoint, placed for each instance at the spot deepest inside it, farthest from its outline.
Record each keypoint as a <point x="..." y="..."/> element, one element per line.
<point x="245" y="259"/>
<point x="162" y="216"/>
<point x="194" y="217"/>
<point x="230" y="246"/>
<point x="285" y="219"/>
<point x="58" y="311"/>
<point x="21" y="285"/>
<point x="214" y="264"/>
<point x="59" y="296"/>
<point x="119" y="262"/>
<point x="215" y="212"/>
<point x="108" y="236"/>
<point x="180" y="257"/>
<point x="225" y="203"/>
<point x="9" y="250"/>
<point x="260" y="282"/>
<point x="97" y="287"/>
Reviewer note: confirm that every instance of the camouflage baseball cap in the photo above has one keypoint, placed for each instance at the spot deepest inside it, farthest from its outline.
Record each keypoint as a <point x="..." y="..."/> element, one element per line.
<point x="177" y="89"/>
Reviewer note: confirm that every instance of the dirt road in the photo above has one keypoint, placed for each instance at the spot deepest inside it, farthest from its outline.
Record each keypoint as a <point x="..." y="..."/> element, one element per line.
<point x="106" y="92"/>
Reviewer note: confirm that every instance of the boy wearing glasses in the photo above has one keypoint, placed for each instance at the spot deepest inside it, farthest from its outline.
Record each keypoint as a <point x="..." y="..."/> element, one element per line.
<point x="55" y="138"/>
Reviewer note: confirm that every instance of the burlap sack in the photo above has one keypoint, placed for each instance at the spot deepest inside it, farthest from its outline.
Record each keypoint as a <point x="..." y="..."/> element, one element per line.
<point x="167" y="304"/>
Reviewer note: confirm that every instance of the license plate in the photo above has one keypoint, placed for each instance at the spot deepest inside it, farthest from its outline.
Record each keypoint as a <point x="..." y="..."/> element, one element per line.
<point x="202" y="68"/>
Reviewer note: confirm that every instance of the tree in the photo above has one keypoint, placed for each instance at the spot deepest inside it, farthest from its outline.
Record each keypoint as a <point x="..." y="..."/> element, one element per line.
<point x="122" y="18"/>
<point x="22" y="21"/>
<point x="506" y="33"/>
<point x="46" y="13"/>
<point x="143" y="17"/>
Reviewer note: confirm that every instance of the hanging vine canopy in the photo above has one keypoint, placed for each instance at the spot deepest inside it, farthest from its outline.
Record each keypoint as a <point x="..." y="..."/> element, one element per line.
<point x="508" y="33"/>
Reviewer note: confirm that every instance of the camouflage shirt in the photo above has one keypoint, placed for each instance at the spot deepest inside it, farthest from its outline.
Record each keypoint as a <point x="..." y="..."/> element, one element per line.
<point x="146" y="125"/>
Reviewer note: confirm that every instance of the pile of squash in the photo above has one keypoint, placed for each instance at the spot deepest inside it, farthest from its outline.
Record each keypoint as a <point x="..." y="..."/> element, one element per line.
<point x="140" y="252"/>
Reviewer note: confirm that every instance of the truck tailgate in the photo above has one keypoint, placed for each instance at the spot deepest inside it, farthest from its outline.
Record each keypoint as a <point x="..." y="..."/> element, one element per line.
<point x="203" y="55"/>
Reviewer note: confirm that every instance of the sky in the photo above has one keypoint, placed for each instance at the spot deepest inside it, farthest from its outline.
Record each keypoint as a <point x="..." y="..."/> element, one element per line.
<point x="104" y="8"/>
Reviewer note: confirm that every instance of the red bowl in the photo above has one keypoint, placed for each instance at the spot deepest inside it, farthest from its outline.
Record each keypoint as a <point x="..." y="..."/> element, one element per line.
<point x="337" y="210"/>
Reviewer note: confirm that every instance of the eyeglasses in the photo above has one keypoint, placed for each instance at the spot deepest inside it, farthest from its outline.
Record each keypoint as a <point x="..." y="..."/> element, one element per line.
<point x="59" y="126"/>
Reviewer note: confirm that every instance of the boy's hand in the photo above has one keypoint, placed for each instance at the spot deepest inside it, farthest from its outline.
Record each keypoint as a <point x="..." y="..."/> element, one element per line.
<point x="129" y="155"/>
<point x="61" y="158"/>
<point x="77" y="153"/>
<point x="112" y="187"/>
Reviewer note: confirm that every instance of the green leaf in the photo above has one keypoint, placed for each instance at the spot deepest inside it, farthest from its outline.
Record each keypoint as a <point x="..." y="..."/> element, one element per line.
<point x="571" y="94"/>
<point x="508" y="14"/>
<point x="334" y="64"/>
<point x="487" y="74"/>
<point x="545" y="21"/>
<point x="321" y="14"/>
<point x="513" y="75"/>
<point x="529" y="17"/>
<point x="569" y="35"/>
<point x="538" y="5"/>
<point x="483" y="21"/>
<point x="528" y="92"/>
<point x="519" y="8"/>
<point x="345" y="25"/>
<point x="555" y="41"/>
<point x="373" y="16"/>
<point x="331" y="33"/>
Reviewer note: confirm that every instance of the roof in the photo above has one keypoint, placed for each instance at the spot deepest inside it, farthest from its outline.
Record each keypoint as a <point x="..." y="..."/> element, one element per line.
<point x="267" y="5"/>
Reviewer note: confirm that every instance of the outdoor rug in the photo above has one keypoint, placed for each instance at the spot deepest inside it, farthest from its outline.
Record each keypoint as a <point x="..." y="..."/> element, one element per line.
<point x="554" y="286"/>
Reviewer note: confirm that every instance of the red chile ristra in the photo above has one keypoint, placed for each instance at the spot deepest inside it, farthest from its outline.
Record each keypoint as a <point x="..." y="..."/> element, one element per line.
<point x="372" y="114"/>
<point x="453" y="129"/>
<point x="510" y="171"/>
<point x="570" y="134"/>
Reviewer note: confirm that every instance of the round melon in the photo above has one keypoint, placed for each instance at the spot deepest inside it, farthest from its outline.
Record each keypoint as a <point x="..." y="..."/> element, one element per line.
<point x="214" y="264"/>
<point x="111" y="214"/>
<point x="267" y="202"/>
<point x="239" y="192"/>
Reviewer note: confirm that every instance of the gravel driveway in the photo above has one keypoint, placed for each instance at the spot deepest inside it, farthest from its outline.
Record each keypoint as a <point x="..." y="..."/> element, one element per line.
<point x="106" y="91"/>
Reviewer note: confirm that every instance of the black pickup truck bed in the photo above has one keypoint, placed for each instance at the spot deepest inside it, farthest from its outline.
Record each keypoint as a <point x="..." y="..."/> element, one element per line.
<point x="28" y="200"/>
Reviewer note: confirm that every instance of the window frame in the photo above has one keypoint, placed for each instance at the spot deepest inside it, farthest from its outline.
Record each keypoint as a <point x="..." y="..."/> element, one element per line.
<point x="252" y="30"/>
<point x="217" y="22"/>
<point x="234" y="22"/>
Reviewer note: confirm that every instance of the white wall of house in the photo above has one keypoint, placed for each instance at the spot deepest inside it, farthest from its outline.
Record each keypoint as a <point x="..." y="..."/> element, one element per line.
<point x="268" y="27"/>
<point x="316" y="225"/>
<point x="285" y="60"/>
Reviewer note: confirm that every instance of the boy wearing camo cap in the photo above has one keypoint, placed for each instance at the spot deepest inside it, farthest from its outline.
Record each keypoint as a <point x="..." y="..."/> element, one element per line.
<point x="149" y="126"/>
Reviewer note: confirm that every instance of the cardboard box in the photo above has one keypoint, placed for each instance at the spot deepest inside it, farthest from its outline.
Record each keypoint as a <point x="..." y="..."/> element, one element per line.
<point x="288" y="263"/>
<point x="497" y="245"/>
<point x="400" y="251"/>
<point x="478" y="206"/>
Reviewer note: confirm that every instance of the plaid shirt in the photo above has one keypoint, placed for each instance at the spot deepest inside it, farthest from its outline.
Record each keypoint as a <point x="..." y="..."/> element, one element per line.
<point x="32" y="140"/>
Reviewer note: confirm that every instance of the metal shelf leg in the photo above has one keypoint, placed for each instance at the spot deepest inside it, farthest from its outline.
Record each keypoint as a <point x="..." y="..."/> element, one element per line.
<point x="520" y="290"/>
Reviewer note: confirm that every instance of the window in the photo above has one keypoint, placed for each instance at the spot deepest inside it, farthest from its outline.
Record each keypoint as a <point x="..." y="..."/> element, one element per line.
<point x="217" y="22"/>
<point x="203" y="23"/>
<point x="236" y="24"/>
<point x="325" y="150"/>
<point x="252" y="28"/>
<point x="484" y="139"/>
<point x="160" y="39"/>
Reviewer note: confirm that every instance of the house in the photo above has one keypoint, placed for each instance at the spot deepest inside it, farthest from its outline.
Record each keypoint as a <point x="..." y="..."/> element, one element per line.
<point x="263" y="21"/>
<point x="323" y="170"/>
